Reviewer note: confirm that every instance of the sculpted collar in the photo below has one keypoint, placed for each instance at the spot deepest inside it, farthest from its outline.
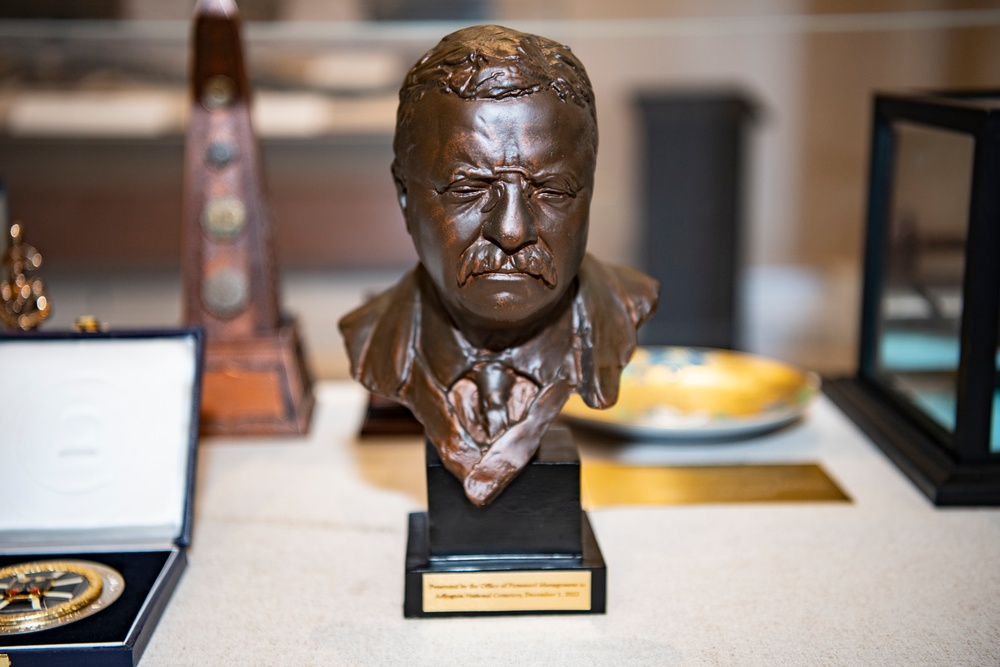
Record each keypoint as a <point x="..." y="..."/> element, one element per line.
<point x="381" y="336"/>
<point x="450" y="356"/>
<point x="405" y="349"/>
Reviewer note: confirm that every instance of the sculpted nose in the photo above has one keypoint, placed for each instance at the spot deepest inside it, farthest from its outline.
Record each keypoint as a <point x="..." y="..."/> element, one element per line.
<point x="510" y="222"/>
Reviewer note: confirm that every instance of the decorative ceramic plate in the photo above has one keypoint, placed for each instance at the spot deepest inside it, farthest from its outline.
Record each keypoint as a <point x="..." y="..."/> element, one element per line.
<point x="684" y="392"/>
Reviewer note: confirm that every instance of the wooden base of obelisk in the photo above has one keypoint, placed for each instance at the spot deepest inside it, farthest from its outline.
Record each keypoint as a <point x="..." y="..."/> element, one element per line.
<point x="257" y="386"/>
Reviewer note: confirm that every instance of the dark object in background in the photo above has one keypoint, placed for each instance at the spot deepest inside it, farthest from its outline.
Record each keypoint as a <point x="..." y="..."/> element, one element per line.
<point x="252" y="10"/>
<point x="428" y="10"/>
<point x="385" y="416"/>
<point x="692" y="196"/>
<point x="61" y="9"/>
<point x="926" y="389"/>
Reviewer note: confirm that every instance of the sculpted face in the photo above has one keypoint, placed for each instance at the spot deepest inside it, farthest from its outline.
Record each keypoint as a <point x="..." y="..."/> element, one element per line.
<point x="496" y="195"/>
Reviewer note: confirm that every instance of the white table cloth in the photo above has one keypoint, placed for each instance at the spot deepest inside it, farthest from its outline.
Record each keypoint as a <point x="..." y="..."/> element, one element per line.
<point x="298" y="547"/>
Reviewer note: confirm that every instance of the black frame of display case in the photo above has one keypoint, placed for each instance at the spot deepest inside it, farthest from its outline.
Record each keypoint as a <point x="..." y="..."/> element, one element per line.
<point x="950" y="468"/>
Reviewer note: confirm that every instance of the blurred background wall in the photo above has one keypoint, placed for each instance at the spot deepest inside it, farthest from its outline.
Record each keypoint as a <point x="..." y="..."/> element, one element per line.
<point x="93" y="102"/>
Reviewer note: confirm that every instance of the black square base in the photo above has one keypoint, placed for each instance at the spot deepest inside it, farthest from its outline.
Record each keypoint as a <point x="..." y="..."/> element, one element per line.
<point x="509" y="584"/>
<point x="537" y="514"/>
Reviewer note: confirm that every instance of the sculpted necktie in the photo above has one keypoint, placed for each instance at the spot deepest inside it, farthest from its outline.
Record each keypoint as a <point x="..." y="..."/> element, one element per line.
<point x="494" y="382"/>
<point x="491" y="398"/>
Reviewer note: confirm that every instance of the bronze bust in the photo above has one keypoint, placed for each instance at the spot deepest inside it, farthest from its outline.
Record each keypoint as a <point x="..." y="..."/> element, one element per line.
<point x="505" y="315"/>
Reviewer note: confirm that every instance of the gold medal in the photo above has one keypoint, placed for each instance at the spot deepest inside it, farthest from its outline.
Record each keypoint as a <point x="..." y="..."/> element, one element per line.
<point x="43" y="594"/>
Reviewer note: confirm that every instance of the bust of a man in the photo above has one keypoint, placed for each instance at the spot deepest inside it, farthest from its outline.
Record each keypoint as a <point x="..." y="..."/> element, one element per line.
<point x="505" y="315"/>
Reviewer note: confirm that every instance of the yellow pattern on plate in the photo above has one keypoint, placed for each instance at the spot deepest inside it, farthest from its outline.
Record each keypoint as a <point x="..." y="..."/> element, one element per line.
<point x="700" y="392"/>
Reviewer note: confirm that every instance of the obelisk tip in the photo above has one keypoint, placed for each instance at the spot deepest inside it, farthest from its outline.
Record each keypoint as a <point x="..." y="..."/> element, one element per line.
<point x="223" y="8"/>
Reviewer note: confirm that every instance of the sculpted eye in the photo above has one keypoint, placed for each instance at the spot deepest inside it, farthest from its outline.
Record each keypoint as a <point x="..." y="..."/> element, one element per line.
<point x="553" y="194"/>
<point x="464" y="190"/>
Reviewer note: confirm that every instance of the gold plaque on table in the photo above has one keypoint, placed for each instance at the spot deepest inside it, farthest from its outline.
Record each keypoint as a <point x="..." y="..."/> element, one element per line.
<point x="614" y="485"/>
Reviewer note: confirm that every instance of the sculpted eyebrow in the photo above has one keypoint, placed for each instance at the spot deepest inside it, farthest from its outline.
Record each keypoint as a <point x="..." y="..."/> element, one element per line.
<point x="543" y="179"/>
<point x="471" y="175"/>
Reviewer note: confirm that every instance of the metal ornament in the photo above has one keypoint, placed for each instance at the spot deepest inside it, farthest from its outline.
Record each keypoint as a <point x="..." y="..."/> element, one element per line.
<point x="225" y="292"/>
<point x="224" y="217"/>
<point x="24" y="300"/>
<point x="220" y="153"/>
<point x="218" y="92"/>
<point x="39" y="595"/>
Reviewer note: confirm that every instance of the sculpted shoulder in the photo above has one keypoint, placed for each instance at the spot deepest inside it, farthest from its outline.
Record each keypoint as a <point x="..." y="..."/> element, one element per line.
<point x="379" y="334"/>
<point x="638" y="292"/>
<point x="612" y="302"/>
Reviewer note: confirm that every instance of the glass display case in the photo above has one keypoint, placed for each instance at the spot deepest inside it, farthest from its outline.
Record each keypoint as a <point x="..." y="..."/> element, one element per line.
<point x="927" y="388"/>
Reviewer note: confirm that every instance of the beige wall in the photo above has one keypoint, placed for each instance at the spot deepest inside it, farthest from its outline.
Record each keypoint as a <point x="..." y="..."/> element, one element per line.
<point x="813" y="78"/>
<point x="811" y="67"/>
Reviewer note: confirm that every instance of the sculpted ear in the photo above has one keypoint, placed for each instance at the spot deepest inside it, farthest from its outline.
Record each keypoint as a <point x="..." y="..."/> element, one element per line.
<point x="397" y="178"/>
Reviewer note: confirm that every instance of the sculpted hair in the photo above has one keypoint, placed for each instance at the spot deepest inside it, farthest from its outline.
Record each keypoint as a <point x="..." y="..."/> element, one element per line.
<point x="492" y="62"/>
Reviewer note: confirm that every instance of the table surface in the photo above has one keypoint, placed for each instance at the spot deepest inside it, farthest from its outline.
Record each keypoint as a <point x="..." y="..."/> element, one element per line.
<point x="298" y="549"/>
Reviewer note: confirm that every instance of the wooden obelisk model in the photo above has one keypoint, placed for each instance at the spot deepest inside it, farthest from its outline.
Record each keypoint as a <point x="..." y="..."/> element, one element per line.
<point x="256" y="380"/>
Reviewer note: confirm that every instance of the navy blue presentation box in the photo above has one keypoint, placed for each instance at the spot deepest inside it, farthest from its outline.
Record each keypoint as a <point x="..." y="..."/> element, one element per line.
<point x="99" y="451"/>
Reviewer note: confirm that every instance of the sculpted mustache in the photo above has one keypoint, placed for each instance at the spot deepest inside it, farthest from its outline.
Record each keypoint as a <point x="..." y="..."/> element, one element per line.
<point x="482" y="258"/>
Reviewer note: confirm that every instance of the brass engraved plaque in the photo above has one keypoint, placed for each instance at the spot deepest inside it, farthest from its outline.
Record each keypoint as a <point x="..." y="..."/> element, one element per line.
<point x="533" y="590"/>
